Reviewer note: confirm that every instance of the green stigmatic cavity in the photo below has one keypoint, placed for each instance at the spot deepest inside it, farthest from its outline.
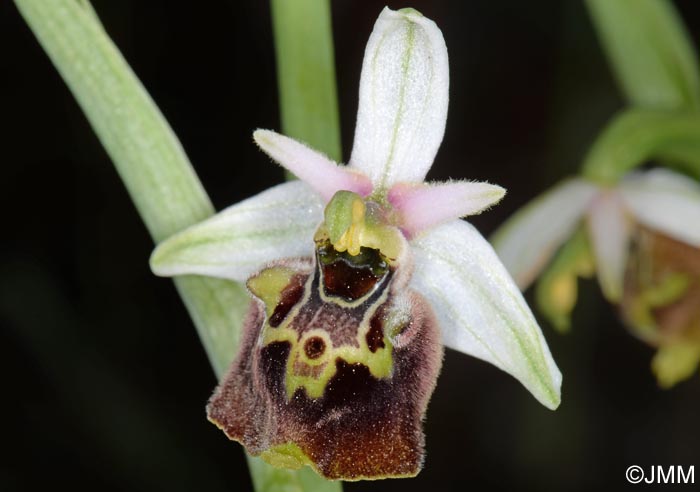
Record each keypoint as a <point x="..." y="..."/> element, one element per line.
<point x="343" y="211"/>
<point x="339" y="356"/>
<point x="352" y="223"/>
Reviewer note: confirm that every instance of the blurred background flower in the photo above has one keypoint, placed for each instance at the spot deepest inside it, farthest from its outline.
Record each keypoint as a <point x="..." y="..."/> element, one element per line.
<point x="106" y="379"/>
<point x="639" y="238"/>
<point x="656" y="68"/>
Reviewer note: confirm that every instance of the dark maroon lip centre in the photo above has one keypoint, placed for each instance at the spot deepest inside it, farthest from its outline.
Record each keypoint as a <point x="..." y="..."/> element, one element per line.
<point x="351" y="277"/>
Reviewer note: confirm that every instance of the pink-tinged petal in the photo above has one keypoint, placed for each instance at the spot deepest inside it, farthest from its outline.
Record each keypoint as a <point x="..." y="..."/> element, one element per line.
<point x="665" y="201"/>
<point x="480" y="310"/>
<point x="312" y="167"/>
<point x="403" y="99"/>
<point x="238" y="241"/>
<point x="609" y="229"/>
<point x="529" y="239"/>
<point x="420" y="206"/>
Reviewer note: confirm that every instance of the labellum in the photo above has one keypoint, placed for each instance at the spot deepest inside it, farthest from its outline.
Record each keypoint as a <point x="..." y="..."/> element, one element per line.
<point x="339" y="356"/>
<point x="661" y="302"/>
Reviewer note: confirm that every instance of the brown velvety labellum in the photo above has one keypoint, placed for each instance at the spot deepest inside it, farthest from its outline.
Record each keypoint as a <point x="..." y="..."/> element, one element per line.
<point x="327" y="387"/>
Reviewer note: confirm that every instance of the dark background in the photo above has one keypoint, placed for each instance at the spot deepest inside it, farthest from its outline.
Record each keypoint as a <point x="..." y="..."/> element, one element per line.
<point x="103" y="378"/>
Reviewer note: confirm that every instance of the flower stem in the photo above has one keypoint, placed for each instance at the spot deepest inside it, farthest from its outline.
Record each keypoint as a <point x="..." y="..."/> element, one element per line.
<point x="636" y="136"/>
<point x="653" y="59"/>
<point x="157" y="174"/>
<point x="306" y="73"/>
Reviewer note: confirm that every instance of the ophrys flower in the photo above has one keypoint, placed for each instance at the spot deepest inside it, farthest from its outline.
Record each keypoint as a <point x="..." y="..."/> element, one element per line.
<point x="660" y="199"/>
<point x="641" y="237"/>
<point x="358" y="272"/>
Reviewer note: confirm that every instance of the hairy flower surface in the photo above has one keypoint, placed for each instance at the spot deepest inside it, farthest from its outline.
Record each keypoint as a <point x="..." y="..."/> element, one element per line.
<point x="636" y="237"/>
<point x="360" y="274"/>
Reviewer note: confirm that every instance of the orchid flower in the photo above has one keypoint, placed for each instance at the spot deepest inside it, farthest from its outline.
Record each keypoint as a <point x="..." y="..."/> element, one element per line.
<point x="360" y="274"/>
<point x="591" y="227"/>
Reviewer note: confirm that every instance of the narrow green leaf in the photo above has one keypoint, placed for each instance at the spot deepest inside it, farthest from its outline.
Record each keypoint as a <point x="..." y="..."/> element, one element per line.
<point x="156" y="172"/>
<point x="636" y="136"/>
<point x="306" y="73"/>
<point x="650" y="52"/>
<point x="144" y="150"/>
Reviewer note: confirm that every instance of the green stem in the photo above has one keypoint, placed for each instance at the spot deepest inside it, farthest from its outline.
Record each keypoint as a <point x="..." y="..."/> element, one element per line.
<point x="636" y="136"/>
<point x="306" y="73"/>
<point x="157" y="174"/>
<point x="652" y="56"/>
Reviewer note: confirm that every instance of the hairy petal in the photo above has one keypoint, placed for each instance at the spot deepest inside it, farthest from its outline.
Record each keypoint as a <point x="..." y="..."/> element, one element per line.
<point x="666" y="201"/>
<point x="480" y="310"/>
<point x="239" y="240"/>
<point x="311" y="166"/>
<point x="528" y="240"/>
<point x="403" y="99"/>
<point x="609" y="229"/>
<point x="421" y="206"/>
